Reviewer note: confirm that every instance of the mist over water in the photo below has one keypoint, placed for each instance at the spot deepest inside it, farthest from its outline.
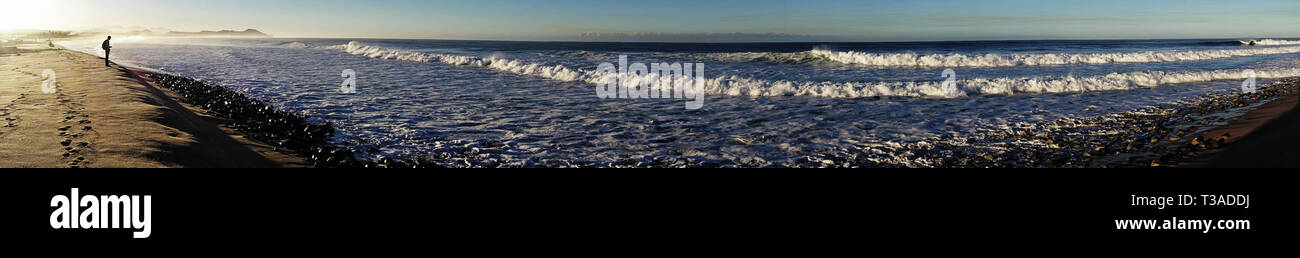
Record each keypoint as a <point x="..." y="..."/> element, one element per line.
<point x="770" y="104"/>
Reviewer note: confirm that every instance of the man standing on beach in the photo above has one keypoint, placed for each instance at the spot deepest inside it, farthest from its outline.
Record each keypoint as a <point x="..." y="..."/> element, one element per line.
<point x="106" y="48"/>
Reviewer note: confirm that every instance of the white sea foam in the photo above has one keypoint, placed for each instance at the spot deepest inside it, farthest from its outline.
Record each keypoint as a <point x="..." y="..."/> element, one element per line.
<point x="1003" y="60"/>
<point x="555" y="72"/>
<point x="738" y="86"/>
<point x="731" y="85"/>
<point x="994" y="60"/>
<point x="396" y="113"/>
<point x="297" y="44"/>
<point x="1270" y="42"/>
<point x="358" y="48"/>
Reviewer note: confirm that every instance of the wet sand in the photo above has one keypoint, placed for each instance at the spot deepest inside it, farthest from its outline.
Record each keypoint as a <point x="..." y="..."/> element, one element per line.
<point x="110" y="117"/>
<point x="1268" y="136"/>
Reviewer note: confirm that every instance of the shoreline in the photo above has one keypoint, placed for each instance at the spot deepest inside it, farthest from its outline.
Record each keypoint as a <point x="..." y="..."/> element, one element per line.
<point x="1268" y="136"/>
<point x="105" y="117"/>
<point x="1169" y="153"/>
<point x="198" y="119"/>
<point x="250" y="133"/>
<point x="1222" y="145"/>
<point x="1198" y="132"/>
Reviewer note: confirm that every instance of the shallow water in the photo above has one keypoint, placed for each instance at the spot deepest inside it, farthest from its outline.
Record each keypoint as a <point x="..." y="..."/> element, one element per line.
<point x="534" y="104"/>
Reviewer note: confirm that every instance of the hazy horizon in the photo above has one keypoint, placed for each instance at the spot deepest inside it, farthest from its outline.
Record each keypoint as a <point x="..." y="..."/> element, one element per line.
<point x="679" y="20"/>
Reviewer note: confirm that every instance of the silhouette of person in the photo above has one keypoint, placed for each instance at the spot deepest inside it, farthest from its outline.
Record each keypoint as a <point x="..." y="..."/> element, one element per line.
<point x="107" y="48"/>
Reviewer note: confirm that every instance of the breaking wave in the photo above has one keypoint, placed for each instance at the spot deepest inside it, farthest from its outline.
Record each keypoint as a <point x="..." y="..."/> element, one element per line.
<point x="997" y="60"/>
<point x="731" y="85"/>
<point x="993" y="60"/>
<point x="1250" y="42"/>
<point x="556" y="72"/>
<point x="1269" y="42"/>
<point x="297" y="44"/>
<point x="736" y="86"/>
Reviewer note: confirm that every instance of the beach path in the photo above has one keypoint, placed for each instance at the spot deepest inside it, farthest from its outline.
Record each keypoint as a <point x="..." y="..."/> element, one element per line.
<point x="101" y="116"/>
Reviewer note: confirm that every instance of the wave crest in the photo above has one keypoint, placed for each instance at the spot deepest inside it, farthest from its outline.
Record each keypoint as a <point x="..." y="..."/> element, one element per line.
<point x="361" y="49"/>
<point x="731" y="85"/>
<point x="297" y="44"/>
<point x="737" y="86"/>
<point x="996" y="60"/>
<point x="1269" y="42"/>
<point x="820" y="55"/>
<point x="556" y="72"/>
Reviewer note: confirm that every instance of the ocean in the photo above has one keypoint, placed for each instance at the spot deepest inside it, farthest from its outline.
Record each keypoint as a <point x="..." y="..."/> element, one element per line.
<point x="528" y="104"/>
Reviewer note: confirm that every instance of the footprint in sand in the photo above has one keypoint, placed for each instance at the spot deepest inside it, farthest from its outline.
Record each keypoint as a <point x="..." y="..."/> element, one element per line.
<point x="9" y="122"/>
<point x="75" y="141"/>
<point x="5" y="112"/>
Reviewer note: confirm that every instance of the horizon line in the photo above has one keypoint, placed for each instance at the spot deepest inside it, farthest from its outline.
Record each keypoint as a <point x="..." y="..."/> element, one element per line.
<point x="272" y="35"/>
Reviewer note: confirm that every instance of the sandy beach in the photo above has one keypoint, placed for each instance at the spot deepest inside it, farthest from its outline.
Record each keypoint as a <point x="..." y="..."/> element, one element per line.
<point x="110" y="117"/>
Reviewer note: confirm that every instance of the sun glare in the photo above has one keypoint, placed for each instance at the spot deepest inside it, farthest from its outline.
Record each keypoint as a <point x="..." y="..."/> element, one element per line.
<point x="22" y="14"/>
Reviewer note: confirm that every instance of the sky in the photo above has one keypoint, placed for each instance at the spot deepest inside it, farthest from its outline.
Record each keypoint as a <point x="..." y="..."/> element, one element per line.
<point x="805" y="20"/>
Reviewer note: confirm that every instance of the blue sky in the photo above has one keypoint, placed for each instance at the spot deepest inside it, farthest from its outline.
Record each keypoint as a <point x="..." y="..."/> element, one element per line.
<point x="830" y="20"/>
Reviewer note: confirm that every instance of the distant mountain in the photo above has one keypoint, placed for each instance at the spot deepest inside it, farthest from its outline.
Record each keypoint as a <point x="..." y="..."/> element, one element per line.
<point x="245" y="33"/>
